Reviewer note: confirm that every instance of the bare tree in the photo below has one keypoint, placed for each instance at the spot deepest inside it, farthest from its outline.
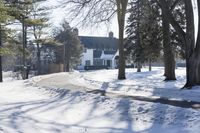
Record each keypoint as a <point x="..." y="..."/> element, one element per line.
<point x="97" y="11"/>
<point x="121" y="11"/>
<point x="192" y="49"/>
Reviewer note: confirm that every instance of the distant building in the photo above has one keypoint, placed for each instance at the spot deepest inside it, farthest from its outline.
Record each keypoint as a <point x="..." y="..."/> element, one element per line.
<point x="99" y="52"/>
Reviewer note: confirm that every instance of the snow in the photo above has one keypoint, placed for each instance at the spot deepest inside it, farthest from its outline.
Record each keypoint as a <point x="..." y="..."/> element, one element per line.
<point x="146" y="83"/>
<point x="149" y="84"/>
<point x="58" y="103"/>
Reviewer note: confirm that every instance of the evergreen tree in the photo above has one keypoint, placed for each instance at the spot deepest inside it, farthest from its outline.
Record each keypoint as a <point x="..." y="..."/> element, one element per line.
<point x="22" y="10"/>
<point x="144" y="38"/>
<point x="4" y="19"/>
<point x="72" y="50"/>
<point x="38" y="22"/>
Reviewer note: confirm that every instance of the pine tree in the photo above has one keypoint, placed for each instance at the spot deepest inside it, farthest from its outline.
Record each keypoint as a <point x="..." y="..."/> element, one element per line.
<point x="133" y="31"/>
<point x="4" y="19"/>
<point x="22" y="10"/>
<point x="72" y="48"/>
<point x="144" y="38"/>
<point x="38" y="22"/>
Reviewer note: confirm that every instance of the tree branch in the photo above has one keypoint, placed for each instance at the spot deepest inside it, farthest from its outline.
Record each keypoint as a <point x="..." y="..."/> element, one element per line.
<point x="166" y="11"/>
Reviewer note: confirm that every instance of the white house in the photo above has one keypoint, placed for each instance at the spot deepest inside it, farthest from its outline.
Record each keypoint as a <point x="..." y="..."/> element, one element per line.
<point x="99" y="52"/>
<point x="87" y="57"/>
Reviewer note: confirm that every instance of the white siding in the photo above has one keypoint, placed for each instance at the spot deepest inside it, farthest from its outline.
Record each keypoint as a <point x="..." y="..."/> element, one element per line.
<point x="88" y="55"/>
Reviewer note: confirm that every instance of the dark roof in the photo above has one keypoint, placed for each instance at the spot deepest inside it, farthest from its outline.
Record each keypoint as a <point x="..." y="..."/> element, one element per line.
<point x="100" y="43"/>
<point x="97" y="53"/>
<point x="110" y="52"/>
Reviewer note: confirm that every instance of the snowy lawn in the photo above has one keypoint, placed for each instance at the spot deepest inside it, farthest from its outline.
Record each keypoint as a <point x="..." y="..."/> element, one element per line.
<point x="149" y="84"/>
<point x="65" y="108"/>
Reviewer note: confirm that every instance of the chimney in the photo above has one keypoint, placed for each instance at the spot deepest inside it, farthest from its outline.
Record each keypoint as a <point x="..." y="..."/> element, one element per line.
<point x="75" y="30"/>
<point x="111" y="34"/>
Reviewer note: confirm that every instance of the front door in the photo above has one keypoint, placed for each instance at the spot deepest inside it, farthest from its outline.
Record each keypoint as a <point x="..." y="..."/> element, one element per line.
<point x="108" y="63"/>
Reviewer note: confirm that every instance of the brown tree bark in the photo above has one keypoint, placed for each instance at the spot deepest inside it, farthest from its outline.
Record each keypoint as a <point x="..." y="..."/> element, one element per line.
<point x="192" y="49"/>
<point x="121" y="11"/>
<point x="25" y="71"/>
<point x="169" y="60"/>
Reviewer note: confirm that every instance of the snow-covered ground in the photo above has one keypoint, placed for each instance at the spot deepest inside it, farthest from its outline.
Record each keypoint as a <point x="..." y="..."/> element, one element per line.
<point x="149" y="84"/>
<point x="146" y="83"/>
<point x="61" y="107"/>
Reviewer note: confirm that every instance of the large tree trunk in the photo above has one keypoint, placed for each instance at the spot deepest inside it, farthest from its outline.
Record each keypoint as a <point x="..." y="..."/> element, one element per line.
<point x="1" y="71"/>
<point x="169" y="60"/>
<point x="193" y="51"/>
<point x="121" y="11"/>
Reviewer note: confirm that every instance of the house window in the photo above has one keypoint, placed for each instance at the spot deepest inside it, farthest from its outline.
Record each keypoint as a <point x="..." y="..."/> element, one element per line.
<point x="98" y="62"/>
<point x="108" y="62"/>
<point x="87" y="63"/>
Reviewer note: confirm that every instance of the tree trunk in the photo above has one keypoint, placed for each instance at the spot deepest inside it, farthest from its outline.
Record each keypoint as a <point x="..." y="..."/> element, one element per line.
<point x="193" y="51"/>
<point x="38" y="59"/>
<point x="121" y="11"/>
<point x="24" y="68"/>
<point x="68" y="59"/>
<point x="139" y="66"/>
<point x="1" y="71"/>
<point x="169" y="60"/>
<point x="150" y="65"/>
<point x="64" y="58"/>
